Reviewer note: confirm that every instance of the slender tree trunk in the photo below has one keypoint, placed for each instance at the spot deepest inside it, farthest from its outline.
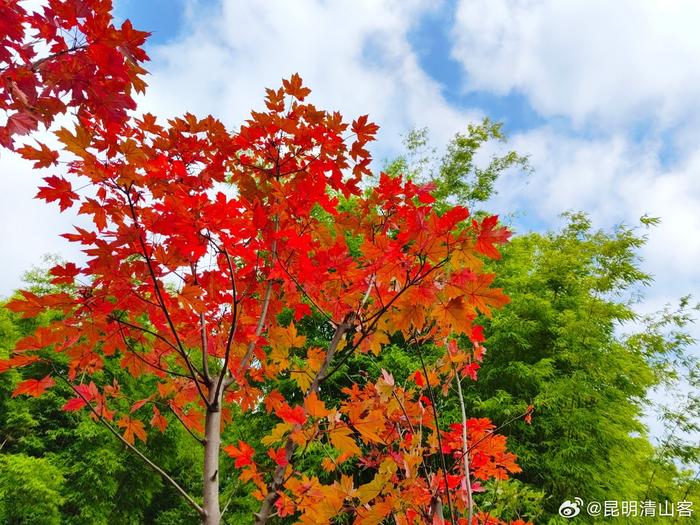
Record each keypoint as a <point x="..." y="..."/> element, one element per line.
<point x="465" y="447"/>
<point x="212" y="445"/>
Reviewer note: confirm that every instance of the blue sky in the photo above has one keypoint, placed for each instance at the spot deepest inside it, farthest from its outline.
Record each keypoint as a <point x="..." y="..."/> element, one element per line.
<point x="429" y="36"/>
<point x="603" y="96"/>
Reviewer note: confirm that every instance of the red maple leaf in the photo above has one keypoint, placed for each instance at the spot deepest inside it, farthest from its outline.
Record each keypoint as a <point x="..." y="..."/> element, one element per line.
<point x="295" y="416"/>
<point x="487" y="235"/>
<point x="33" y="387"/>
<point x="58" y="189"/>
<point x="243" y="454"/>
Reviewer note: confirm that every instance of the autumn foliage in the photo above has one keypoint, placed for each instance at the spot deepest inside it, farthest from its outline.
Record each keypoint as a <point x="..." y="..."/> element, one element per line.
<point x="66" y="56"/>
<point x="206" y="249"/>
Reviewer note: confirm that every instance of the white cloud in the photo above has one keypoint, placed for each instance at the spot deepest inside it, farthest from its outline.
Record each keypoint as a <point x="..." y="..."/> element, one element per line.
<point x="29" y="228"/>
<point x="594" y="61"/>
<point x="354" y="55"/>
<point x="615" y="180"/>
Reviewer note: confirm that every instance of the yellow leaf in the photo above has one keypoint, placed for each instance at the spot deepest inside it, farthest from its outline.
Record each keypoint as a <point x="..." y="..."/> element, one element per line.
<point x="286" y="337"/>
<point x="307" y="370"/>
<point x="341" y="438"/>
<point x="373" y="343"/>
<point x="371" y="490"/>
<point x="370" y="426"/>
<point x="78" y="143"/>
<point x="301" y="377"/>
<point x="277" y="435"/>
<point x="385" y="386"/>
<point x="282" y="339"/>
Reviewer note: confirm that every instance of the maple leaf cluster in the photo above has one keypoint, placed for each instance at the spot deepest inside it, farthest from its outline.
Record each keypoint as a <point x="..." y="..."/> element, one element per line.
<point x="209" y="246"/>
<point x="390" y="434"/>
<point x="65" y="55"/>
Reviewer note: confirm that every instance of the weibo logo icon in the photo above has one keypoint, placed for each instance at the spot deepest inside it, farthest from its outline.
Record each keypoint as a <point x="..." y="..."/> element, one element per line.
<point x="570" y="509"/>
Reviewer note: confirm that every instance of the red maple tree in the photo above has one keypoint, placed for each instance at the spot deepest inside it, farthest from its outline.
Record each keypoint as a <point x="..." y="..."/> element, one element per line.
<point x="209" y="246"/>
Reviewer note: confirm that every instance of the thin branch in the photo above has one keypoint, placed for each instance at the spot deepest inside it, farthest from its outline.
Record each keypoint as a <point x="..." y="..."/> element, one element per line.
<point x="197" y="438"/>
<point x="161" y="300"/>
<point x="492" y="433"/>
<point x="228" y="502"/>
<point x="144" y="330"/>
<point x="305" y="294"/>
<point x="136" y="451"/>
<point x="465" y="446"/>
<point x="34" y="66"/>
<point x="147" y="362"/>
<point x="437" y="431"/>
<point x="266" y="507"/>
<point x="205" y="350"/>
<point x="232" y="330"/>
<point x="377" y="316"/>
<point x="263" y="314"/>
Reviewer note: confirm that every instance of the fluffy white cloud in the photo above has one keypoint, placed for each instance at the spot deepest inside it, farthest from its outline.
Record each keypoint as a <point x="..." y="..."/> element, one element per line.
<point x="618" y="68"/>
<point x="29" y="228"/>
<point x="355" y="56"/>
<point x="615" y="180"/>
<point x="594" y="61"/>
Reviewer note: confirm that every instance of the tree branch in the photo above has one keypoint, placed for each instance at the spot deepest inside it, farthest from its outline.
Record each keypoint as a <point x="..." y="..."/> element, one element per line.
<point x="161" y="300"/>
<point x="465" y="446"/>
<point x="278" y="480"/>
<point x="136" y="451"/>
<point x="205" y="350"/>
<point x="437" y="431"/>
<point x="194" y="436"/>
<point x="145" y="361"/>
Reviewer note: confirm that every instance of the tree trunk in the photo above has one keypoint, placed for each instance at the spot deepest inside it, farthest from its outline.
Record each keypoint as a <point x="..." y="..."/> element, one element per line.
<point x="212" y="445"/>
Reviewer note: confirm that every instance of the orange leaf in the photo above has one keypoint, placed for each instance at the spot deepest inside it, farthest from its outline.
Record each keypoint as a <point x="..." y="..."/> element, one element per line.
<point x="16" y="362"/>
<point x="341" y="438"/>
<point x="43" y="157"/>
<point x="158" y="421"/>
<point x="294" y="87"/>
<point x="34" y="387"/>
<point x="243" y="454"/>
<point x="483" y="298"/>
<point x="314" y="406"/>
<point x="132" y="427"/>
<point x="76" y="144"/>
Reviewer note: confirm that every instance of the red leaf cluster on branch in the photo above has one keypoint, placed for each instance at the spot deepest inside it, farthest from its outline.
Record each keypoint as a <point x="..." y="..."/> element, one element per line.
<point x="67" y="55"/>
